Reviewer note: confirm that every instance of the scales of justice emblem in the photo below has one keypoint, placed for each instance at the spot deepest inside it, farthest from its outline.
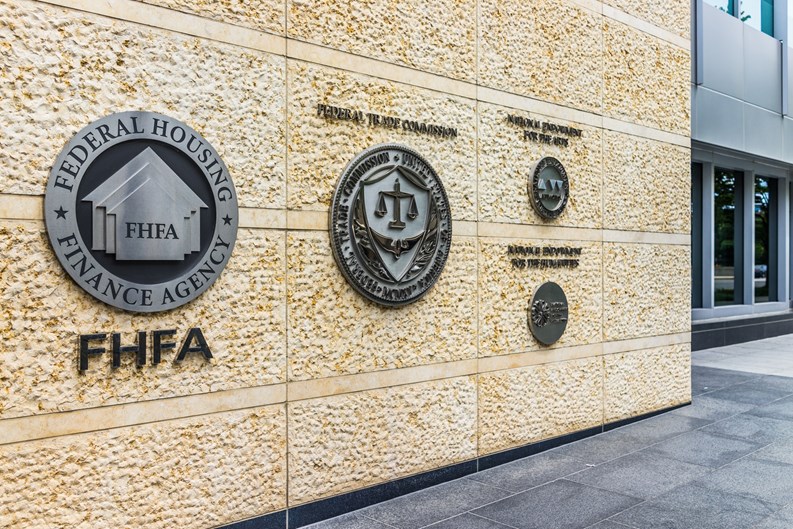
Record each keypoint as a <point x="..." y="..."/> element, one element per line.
<point x="396" y="236"/>
<point x="390" y="223"/>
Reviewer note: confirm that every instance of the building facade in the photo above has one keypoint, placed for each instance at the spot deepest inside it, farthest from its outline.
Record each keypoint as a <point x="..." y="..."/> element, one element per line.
<point x="742" y="150"/>
<point x="279" y="388"/>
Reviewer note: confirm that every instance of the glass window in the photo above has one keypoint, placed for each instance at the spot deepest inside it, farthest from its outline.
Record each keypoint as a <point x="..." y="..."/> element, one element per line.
<point x="759" y="14"/>
<point x="726" y="202"/>
<point x="728" y="6"/>
<point x="764" y="236"/>
<point x="696" y="235"/>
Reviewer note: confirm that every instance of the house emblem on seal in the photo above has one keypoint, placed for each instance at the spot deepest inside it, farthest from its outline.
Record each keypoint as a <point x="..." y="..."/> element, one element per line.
<point x="146" y="212"/>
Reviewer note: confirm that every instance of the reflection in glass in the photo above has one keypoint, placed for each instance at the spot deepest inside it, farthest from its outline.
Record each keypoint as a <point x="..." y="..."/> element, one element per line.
<point x="696" y="235"/>
<point x="725" y="183"/>
<point x="759" y="14"/>
<point x="762" y="239"/>
<point x="728" y="6"/>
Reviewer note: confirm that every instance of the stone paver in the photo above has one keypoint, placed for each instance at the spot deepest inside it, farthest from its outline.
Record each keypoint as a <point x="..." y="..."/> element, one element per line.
<point x="782" y="519"/>
<point x="434" y="504"/>
<point x="707" y="407"/>
<point x="608" y="524"/>
<point x="468" y="521"/>
<point x="352" y="520"/>
<point x="761" y="479"/>
<point x="561" y="504"/>
<point x="762" y="430"/>
<point x="642" y="475"/>
<point x="770" y="356"/>
<point x="725" y="462"/>
<point x="707" y="449"/>
<point x="527" y="473"/>
<point x="694" y="507"/>
<point x="781" y="451"/>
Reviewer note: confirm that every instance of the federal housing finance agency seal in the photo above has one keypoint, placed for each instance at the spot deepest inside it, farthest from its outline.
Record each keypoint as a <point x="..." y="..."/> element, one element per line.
<point x="141" y="211"/>
<point x="390" y="225"/>
<point x="548" y="187"/>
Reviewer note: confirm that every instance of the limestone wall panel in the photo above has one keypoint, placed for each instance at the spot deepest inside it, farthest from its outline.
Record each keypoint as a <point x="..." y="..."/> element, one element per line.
<point x="646" y="80"/>
<point x="550" y="50"/>
<point x="282" y="311"/>
<point x="264" y="15"/>
<point x="643" y="381"/>
<point x="437" y="37"/>
<point x="646" y="290"/>
<point x="63" y="69"/>
<point x="42" y="312"/>
<point x="506" y="160"/>
<point x="671" y="16"/>
<point x="190" y="473"/>
<point x="526" y="405"/>
<point x="347" y="442"/>
<point x="505" y="293"/>
<point x="314" y="171"/>
<point x="646" y="184"/>
<point x="334" y="331"/>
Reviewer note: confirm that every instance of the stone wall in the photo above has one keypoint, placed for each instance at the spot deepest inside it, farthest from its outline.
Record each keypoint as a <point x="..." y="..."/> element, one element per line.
<point x="313" y="389"/>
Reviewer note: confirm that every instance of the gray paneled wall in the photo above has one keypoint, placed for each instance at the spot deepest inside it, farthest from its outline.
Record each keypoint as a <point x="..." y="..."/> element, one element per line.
<point x="738" y="103"/>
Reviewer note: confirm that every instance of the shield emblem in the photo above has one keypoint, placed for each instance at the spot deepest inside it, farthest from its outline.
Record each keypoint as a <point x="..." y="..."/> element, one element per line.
<point x="396" y="207"/>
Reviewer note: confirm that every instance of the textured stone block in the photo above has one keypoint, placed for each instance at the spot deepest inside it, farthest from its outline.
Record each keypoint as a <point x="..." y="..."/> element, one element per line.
<point x="333" y="330"/>
<point x="437" y="37"/>
<point x="646" y="80"/>
<point x="314" y="171"/>
<point x="644" y="381"/>
<point x="647" y="184"/>
<point x="347" y="442"/>
<point x="550" y="50"/>
<point x="42" y="312"/>
<point x="674" y="16"/>
<point x="192" y="473"/>
<point x="505" y="293"/>
<point x="525" y="405"/>
<point x="506" y="160"/>
<point x="63" y="69"/>
<point x="646" y="290"/>
<point x="264" y="15"/>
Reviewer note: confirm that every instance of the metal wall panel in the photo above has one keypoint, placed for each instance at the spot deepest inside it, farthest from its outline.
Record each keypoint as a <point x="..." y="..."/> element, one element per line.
<point x="722" y="52"/>
<point x="788" y="86"/>
<point x="739" y="103"/>
<point x="762" y="73"/>
<point x="763" y="132"/>
<point x="787" y="130"/>
<point x="718" y="119"/>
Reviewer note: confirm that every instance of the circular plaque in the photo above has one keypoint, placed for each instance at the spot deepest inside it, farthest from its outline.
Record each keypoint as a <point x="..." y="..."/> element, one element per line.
<point x="548" y="313"/>
<point x="141" y="211"/>
<point x="390" y="225"/>
<point x="549" y="188"/>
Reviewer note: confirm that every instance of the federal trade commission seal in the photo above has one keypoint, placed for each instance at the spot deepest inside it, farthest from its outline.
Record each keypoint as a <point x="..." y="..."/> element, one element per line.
<point x="548" y="313"/>
<point x="141" y="211"/>
<point x="548" y="188"/>
<point x="390" y="225"/>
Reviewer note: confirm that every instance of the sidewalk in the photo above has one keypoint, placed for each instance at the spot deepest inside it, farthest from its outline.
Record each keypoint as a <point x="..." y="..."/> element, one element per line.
<point x="725" y="462"/>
